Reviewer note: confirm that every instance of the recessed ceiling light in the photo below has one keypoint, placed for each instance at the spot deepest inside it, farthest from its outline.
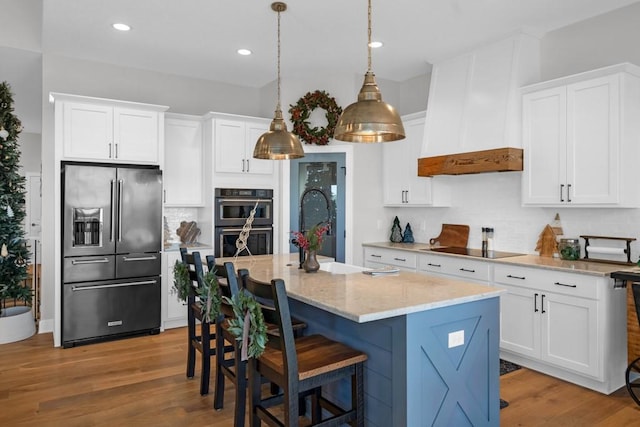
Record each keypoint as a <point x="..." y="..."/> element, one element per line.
<point x="121" y="27"/>
<point x="375" y="45"/>
<point x="244" y="52"/>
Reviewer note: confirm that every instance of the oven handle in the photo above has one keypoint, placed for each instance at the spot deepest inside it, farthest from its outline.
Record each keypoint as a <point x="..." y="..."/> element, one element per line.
<point x="245" y="200"/>
<point x="227" y="230"/>
<point x="115" y="285"/>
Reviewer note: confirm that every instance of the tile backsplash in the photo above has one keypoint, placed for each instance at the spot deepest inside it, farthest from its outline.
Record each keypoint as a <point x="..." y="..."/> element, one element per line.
<point x="173" y="218"/>
<point x="493" y="200"/>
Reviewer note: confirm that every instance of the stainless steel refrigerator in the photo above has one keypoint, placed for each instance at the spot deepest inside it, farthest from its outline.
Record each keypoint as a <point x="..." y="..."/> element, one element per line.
<point x="112" y="237"/>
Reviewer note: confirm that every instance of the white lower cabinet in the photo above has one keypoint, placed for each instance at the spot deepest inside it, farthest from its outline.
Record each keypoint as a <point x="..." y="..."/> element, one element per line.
<point x="567" y="325"/>
<point x="174" y="314"/>
<point x="378" y="258"/>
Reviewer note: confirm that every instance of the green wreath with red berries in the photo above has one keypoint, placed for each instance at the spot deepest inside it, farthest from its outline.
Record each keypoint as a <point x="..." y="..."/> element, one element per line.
<point x="301" y="111"/>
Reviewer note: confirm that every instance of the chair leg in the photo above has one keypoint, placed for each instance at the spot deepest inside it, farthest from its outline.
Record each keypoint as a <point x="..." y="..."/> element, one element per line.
<point x="359" y="394"/>
<point x="254" y="393"/>
<point x="291" y="407"/>
<point x="241" y="389"/>
<point x="191" y="356"/>
<point x="218" y="396"/>
<point x="206" y="359"/>
<point x="316" y="409"/>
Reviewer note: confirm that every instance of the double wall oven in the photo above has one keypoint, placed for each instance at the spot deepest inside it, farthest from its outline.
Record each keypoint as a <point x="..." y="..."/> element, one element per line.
<point x="232" y="208"/>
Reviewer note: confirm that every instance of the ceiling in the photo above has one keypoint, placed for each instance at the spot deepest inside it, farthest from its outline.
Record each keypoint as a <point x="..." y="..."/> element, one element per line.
<point x="199" y="38"/>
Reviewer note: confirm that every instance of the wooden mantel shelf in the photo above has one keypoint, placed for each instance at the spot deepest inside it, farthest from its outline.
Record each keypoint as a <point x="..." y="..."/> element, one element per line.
<point x="496" y="160"/>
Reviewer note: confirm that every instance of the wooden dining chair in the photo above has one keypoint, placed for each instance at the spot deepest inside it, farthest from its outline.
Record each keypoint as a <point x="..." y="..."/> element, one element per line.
<point x="300" y="367"/>
<point x="203" y="341"/>
<point x="232" y="368"/>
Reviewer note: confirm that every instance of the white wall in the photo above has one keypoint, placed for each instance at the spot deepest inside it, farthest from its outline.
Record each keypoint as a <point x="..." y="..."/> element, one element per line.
<point x="30" y="152"/>
<point x="594" y="43"/>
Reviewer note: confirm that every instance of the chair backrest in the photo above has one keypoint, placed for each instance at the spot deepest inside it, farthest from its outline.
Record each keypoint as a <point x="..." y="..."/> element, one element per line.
<point x="227" y="281"/>
<point x="193" y="262"/>
<point x="275" y="310"/>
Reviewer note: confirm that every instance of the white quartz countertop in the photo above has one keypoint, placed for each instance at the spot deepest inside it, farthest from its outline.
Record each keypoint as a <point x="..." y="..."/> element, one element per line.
<point x="361" y="297"/>
<point x="584" y="267"/>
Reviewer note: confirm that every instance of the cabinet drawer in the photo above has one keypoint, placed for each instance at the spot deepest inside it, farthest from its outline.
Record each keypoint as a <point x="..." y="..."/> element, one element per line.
<point x="403" y="259"/>
<point x="559" y="282"/>
<point x="455" y="266"/>
<point x="470" y="269"/>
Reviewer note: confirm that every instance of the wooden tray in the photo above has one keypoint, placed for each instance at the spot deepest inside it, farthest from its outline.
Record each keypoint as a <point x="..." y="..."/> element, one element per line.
<point x="455" y="235"/>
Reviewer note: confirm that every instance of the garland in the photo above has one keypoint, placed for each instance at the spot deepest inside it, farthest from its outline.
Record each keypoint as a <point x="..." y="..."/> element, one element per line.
<point x="301" y="111"/>
<point x="210" y="299"/>
<point x="181" y="281"/>
<point x="245" y="305"/>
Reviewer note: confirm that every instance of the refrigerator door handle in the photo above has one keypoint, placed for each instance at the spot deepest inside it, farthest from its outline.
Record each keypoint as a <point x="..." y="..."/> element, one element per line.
<point x="114" y="285"/>
<point x="90" y="261"/>
<point x="112" y="229"/>
<point x="143" y="258"/>
<point x="120" y="185"/>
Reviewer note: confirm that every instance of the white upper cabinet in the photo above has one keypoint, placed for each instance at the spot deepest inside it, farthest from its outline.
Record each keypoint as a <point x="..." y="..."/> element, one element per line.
<point x="400" y="181"/>
<point x="234" y="140"/>
<point x="108" y="130"/>
<point x="184" y="161"/>
<point x="580" y="139"/>
<point x="474" y="99"/>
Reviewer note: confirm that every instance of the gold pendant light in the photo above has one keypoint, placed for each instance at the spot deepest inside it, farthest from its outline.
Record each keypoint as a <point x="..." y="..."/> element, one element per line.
<point x="278" y="143"/>
<point x="369" y="119"/>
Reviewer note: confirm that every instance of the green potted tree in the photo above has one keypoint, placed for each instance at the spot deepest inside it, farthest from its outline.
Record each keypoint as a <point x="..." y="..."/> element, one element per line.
<point x="16" y="319"/>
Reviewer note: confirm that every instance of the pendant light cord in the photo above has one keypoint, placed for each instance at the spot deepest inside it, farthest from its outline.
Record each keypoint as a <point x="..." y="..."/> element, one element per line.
<point x="369" y="38"/>
<point x="278" y="107"/>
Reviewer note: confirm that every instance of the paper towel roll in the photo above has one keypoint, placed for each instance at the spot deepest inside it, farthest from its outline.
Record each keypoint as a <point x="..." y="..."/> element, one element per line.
<point x="605" y="250"/>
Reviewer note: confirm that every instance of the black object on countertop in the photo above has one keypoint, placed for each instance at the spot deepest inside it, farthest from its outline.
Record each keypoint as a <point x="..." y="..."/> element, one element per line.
<point x="479" y="253"/>
<point x="632" y="276"/>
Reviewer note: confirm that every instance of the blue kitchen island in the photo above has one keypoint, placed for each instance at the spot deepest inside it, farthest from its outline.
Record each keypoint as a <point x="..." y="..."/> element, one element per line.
<point x="433" y="343"/>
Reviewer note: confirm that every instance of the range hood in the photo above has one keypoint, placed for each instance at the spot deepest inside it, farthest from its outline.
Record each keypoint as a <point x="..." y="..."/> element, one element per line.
<point x="473" y="118"/>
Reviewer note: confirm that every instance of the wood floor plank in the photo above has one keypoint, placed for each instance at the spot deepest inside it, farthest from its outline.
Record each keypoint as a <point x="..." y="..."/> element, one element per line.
<point x="141" y="382"/>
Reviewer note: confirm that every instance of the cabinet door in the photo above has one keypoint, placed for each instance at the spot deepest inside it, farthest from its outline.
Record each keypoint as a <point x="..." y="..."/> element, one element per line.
<point x="396" y="161"/>
<point x="136" y="135"/>
<point x="570" y="336"/>
<point x="184" y="162"/>
<point x="593" y="141"/>
<point x="401" y="184"/>
<point x="87" y="131"/>
<point x="256" y="166"/>
<point x="544" y="144"/>
<point x="520" y="321"/>
<point x="176" y="309"/>
<point x="229" y="146"/>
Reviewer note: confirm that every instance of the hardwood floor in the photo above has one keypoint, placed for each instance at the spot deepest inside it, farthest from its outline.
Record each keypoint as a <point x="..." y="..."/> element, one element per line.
<point x="141" y="382"/>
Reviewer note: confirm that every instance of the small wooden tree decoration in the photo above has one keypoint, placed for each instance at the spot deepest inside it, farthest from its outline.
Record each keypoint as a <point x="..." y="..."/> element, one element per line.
<point x="547" y="244"/>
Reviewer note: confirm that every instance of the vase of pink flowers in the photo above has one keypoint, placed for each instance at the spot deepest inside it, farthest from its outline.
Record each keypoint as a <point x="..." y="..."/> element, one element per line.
<point x="310" y="242"/>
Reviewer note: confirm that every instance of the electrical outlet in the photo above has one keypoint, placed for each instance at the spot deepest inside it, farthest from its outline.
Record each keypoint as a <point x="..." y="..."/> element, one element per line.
<point x="379" y="224"/>
<point x="456" y="338"/>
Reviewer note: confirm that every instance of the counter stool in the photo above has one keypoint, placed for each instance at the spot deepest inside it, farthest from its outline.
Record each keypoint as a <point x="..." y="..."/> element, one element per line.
<point x="300" y="367"/>
<point x="232" y="368"/>
<point x="235" y="369"/>
<point x="632" y="374"/>
<point x="204" y="342"/>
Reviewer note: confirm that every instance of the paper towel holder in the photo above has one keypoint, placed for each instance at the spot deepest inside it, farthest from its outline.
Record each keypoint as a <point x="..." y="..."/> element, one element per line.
<point x="626" y="250"/>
